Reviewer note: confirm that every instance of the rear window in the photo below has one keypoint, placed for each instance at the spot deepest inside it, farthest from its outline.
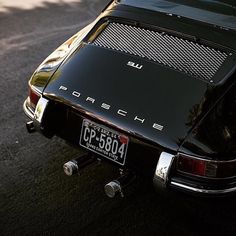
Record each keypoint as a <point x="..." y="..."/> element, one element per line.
<point x="220" y="13"/>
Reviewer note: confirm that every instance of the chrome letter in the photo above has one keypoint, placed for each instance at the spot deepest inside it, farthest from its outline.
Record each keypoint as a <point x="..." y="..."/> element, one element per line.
<point x="122" y="113"/>
<point x="158" y="127"/>
<point x="92" y="100"/>
<point x="76" y="94"/>
<point x="105" y="106"/>
<point x="63" y="88"/>
<point x="138" y="119"/>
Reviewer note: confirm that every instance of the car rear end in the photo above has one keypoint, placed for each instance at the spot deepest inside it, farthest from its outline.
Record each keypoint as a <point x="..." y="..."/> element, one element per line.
<point x="130" y="91"/>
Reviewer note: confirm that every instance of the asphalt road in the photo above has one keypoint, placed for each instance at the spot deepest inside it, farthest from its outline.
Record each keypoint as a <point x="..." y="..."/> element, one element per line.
<point x="35" y="196"/>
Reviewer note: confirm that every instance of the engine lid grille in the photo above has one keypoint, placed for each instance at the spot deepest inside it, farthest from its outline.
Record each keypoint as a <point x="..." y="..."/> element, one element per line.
<point x="192" y="58"/>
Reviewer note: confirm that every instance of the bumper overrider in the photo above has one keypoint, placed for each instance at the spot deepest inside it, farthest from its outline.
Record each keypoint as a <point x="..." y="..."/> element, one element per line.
<point x="166" y="175"/>
<point x="37" y="116"/>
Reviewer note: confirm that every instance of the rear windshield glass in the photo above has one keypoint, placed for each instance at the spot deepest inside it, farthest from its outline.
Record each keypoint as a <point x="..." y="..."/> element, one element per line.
<point x="220" y="13"/>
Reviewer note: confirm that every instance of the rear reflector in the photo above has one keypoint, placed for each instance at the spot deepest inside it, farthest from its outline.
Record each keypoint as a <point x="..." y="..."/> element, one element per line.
<point x="206" y="168"/>
<point x="34" y="97"/>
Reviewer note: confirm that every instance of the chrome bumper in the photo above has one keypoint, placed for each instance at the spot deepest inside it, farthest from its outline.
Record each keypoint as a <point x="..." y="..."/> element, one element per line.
<point x="162" y="179"/>
<point x="162" y="173"/>
<point x="36" y="116"/>
<point x="202" y="190"/>
<point x="28" y="111"/>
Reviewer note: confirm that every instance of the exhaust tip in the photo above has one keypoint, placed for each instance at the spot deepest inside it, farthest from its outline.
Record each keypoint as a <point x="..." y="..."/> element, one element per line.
<point x="112" y="189"/>
<point x="118" y="185"/>
<point x="70" y="168"/>
<point x="78" y="165"/>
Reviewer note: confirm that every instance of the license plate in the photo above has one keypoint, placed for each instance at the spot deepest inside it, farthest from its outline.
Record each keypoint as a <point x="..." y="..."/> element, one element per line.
<point x="104" y="141"/>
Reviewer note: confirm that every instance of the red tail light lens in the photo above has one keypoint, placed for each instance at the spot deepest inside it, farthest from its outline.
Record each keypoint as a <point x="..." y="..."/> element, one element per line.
<point x="206" y="168"/>
<point x="34" y="97"/>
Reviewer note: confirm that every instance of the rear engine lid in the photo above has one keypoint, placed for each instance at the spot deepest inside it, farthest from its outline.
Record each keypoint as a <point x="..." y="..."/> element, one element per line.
<point x="159" y="100"/>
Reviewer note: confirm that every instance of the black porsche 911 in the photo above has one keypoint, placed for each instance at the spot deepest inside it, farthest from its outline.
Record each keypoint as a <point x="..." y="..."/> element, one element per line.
<point x="149" y="86"/>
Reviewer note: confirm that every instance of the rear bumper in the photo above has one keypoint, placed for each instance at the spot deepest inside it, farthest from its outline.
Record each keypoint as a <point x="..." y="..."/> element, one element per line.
<point x="143" y="157"/>
<point x="203" y="191"/>
<point x="27" y="110"/>
<point x="165" y="178"/>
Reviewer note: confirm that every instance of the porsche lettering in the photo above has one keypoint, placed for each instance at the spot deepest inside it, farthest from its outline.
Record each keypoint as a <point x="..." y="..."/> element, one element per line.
<point x="106" y="106"/>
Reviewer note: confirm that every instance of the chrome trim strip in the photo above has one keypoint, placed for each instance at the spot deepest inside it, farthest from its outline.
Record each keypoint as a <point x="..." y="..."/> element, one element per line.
<point x="28" y="112"/>
<point x="204" y="191"/>
<point x="161" y="176"/>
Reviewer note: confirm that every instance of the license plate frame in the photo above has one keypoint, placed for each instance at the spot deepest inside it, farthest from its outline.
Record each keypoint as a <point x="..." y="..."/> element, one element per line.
<point x="104" y="141"/>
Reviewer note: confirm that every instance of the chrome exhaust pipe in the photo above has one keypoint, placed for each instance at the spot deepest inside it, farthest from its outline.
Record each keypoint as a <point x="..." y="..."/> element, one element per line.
<point x="76" y="166"/>
<point x="113" y="188"/>
<point x="117" y="186"/>
<point x="71" y="168"/>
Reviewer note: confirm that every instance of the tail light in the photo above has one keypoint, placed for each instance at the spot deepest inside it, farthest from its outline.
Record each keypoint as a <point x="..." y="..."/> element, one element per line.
<point x="34" y="97"/>
<point x="206" y="168"/>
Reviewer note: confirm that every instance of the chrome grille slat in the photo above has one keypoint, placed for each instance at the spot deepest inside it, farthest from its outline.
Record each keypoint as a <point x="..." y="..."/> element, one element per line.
<point x="192" y="58"/>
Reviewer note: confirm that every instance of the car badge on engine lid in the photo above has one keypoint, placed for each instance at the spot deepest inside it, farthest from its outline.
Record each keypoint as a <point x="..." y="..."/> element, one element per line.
<point x="135" y="65"/>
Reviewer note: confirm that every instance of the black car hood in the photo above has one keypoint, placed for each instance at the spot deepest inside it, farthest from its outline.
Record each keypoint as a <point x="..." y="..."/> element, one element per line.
<point x="152" y="95"/>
